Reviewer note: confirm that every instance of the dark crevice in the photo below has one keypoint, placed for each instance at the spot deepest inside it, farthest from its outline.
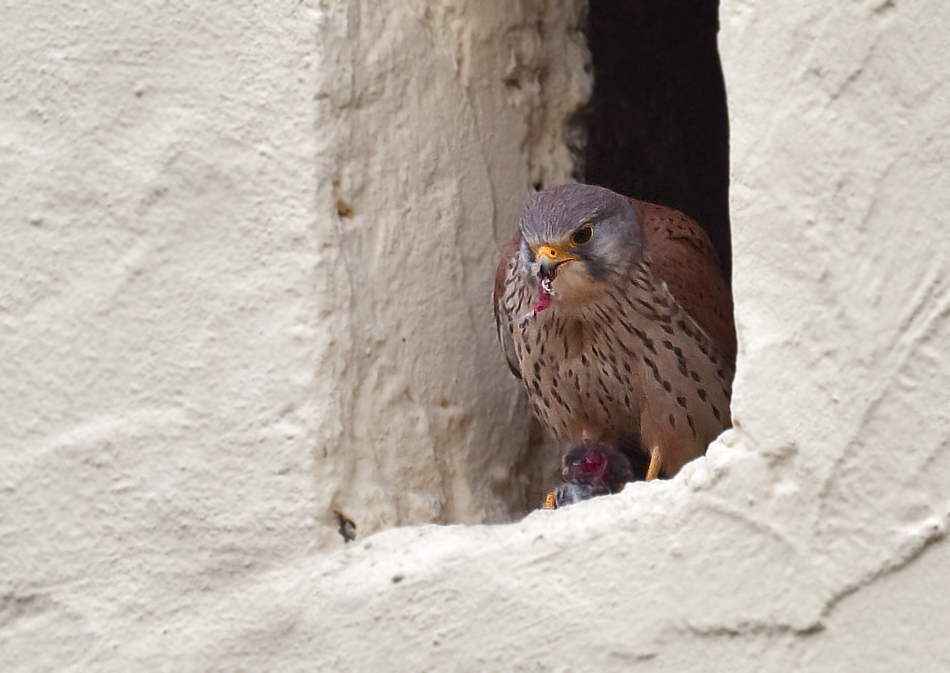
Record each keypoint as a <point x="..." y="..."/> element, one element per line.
<point x="347" y="527"/>
<point x="657" y="125"/>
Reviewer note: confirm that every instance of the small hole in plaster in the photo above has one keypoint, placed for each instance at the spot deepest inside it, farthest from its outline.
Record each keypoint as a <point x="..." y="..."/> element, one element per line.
<point x="347" y="527"/>
<point x="343" y="209"/>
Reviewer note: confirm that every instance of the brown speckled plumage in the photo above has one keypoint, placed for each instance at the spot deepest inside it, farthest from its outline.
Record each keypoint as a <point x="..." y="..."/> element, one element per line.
<point x="640" y="356"/>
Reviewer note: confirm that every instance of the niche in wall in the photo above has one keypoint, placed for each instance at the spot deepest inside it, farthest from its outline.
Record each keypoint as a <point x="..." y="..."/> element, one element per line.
<point x="657" y="125"/>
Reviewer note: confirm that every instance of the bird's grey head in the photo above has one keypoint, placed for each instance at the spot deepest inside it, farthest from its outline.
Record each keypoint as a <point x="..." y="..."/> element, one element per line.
<point x="581" y="233"/>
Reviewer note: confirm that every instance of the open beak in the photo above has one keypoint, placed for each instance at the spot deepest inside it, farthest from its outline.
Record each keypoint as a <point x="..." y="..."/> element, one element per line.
<point x="549" y="259"/>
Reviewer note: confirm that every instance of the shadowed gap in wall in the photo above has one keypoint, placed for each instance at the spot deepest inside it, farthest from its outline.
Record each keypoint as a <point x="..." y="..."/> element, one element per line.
<point x="657" y="125"/>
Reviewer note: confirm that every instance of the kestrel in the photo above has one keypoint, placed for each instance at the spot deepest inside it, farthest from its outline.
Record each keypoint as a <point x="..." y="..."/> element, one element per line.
<point x="616" y="316"/>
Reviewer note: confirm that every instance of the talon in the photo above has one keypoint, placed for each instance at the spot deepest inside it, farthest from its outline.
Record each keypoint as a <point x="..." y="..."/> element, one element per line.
<point x="653" y="471"/>
<point x="550" y="501"/>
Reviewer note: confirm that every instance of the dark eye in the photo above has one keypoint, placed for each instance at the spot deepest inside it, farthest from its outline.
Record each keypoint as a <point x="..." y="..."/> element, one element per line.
<point x="582" y="235"/>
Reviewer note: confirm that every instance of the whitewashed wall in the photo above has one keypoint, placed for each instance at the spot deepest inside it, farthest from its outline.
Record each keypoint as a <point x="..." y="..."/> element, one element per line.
<point x="220" y="223"/>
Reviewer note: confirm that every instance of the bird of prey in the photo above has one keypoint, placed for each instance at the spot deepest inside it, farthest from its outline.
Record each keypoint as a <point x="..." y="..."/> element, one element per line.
<point x="616" y="316"/>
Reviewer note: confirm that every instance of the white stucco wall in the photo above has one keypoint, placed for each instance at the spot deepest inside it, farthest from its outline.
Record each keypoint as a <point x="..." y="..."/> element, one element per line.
<point x="220" y="225"/>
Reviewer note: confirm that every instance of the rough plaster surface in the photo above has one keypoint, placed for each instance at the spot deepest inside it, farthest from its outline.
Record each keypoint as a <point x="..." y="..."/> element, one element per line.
<point x="245" y="285"/>
<point x="212" y="225"/>
<point x="433" y="122"/>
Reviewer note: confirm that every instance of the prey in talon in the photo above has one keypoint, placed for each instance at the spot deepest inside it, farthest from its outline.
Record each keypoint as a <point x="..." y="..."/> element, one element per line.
<point x="588" y="471"/>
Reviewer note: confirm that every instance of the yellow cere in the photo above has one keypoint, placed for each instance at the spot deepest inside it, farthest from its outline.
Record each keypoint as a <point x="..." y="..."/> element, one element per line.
<point x="554" y="254"/>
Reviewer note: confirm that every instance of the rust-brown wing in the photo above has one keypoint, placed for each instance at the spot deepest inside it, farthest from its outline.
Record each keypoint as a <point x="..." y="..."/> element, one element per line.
<point x="684" y="258"/>
<point x="503" y="277"/>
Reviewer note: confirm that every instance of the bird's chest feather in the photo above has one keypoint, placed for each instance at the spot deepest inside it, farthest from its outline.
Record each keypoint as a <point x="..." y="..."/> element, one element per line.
<point x="592" y="372"/>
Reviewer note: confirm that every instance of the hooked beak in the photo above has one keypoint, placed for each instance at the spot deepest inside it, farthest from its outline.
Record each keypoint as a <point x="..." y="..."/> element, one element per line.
<point x="549" y="259"/>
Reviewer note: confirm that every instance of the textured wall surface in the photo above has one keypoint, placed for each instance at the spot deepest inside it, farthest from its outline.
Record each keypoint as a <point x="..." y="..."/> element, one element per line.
<point x="245" y="286"/>
<point x="219" y="227"/>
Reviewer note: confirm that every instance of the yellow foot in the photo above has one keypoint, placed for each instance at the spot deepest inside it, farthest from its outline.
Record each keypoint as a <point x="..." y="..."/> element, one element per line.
<point x="653" y="471"/>
<point x="550" y="501"/>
